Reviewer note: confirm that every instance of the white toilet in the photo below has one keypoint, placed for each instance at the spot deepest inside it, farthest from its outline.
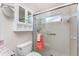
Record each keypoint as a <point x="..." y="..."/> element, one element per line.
<point x="25" y="49"/>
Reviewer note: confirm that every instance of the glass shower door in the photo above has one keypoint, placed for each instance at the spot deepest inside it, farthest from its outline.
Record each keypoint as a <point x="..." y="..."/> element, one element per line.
<point x="56" y="36"/>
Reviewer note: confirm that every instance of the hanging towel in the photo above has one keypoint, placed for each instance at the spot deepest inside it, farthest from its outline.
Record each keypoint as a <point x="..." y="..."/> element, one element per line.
<point x="39" y="41"/>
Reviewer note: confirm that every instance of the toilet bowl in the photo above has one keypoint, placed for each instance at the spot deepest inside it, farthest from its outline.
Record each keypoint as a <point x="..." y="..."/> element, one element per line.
<point x="34" y="54"/>
<point x="25" y="49"/>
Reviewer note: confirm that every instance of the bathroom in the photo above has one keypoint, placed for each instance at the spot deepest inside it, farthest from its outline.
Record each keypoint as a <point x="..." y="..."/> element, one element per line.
<point x="60" y="35"/>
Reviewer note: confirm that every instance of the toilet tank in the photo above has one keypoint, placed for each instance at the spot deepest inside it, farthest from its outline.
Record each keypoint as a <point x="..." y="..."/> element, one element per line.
<point x="24" y="48"/>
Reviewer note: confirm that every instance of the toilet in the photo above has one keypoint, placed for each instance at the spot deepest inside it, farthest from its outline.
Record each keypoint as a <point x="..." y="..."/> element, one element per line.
<point x="25" y="49"/>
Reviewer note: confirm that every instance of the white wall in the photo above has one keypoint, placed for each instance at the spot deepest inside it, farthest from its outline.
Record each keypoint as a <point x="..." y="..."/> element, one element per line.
<point x="11" y="38"/>
<point x="78" y="29"/>
<point x="73" y="36"/>
<point x="73" y="32"/>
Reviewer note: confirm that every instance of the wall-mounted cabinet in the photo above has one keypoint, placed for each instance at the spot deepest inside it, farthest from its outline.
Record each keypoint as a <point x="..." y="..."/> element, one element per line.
<point x="23" y="19"/>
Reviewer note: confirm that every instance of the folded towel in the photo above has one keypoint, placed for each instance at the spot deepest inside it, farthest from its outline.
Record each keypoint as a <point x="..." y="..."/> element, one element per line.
<point x="39" y="41"/>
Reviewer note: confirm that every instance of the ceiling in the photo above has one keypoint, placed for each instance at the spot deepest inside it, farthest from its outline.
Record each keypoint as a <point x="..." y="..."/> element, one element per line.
<point x="37" y="7"/>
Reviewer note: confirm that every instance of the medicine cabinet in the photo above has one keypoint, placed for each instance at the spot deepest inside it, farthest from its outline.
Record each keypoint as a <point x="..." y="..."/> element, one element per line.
<point x="23" y="19"/>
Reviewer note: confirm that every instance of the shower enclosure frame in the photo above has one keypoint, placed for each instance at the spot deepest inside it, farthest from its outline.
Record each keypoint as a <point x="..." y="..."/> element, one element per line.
<point x="52" y="9"/>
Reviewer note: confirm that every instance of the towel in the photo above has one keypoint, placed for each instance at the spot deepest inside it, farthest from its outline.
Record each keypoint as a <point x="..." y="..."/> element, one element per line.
<point x="39" y="41"/>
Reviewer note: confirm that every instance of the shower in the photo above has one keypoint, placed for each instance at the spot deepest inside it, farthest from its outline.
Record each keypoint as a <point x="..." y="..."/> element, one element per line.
<point x="55" y="24"/>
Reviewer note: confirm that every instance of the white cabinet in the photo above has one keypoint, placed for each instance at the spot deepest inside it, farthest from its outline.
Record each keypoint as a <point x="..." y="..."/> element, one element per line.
<point x="23" y="19"/>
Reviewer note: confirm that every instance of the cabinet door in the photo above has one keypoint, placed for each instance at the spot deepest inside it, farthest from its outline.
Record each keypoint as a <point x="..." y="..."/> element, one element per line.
<point x="23" y="19"/>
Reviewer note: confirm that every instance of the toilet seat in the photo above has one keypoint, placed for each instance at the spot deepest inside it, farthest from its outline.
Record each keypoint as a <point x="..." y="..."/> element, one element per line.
<point x="34" y="54"/>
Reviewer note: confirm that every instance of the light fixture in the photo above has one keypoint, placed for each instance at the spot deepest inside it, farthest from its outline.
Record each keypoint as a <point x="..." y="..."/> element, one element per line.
<point x="7" y="10"/>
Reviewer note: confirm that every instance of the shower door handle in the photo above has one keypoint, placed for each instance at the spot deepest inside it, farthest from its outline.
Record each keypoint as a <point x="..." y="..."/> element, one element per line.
<point x="51" y="34"/>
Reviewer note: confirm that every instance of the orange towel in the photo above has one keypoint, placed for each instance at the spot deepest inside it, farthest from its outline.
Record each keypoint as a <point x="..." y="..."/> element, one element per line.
<point x="39" y="41"/>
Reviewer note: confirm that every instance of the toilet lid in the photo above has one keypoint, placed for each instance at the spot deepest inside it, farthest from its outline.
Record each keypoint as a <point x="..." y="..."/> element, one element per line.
<point x="34" y="54"/>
